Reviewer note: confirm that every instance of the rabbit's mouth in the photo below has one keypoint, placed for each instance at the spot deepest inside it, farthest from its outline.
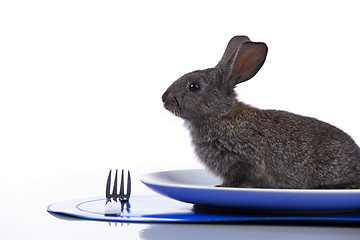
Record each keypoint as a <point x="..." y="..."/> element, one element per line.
<point x="173" y="106"/>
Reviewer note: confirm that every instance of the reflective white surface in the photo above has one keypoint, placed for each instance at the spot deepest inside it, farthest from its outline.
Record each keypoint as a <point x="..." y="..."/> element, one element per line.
<point x="24" y="216"/>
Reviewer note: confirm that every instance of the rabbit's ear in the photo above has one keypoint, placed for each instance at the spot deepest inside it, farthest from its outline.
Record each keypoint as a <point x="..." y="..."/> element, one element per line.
<point x="248" y="60"/>
<point x="233" y="45"/>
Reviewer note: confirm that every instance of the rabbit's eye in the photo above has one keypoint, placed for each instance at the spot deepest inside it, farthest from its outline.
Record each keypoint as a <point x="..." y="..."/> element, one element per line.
<point x="194" y="87"/>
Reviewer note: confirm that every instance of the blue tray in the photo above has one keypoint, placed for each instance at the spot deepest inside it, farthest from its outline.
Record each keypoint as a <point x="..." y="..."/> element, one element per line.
<point x="157" y="209"/>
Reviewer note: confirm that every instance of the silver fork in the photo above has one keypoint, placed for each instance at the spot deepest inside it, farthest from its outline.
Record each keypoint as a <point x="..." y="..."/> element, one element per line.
<point x="121" y="196"/>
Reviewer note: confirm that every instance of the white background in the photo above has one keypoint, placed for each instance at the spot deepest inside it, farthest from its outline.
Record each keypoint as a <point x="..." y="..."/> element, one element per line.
<point x="81" y="81"/>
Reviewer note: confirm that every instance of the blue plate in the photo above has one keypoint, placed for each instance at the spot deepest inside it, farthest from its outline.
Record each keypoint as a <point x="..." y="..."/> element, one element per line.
<point x="197" y="187"/>
<point x="158" y="209"/>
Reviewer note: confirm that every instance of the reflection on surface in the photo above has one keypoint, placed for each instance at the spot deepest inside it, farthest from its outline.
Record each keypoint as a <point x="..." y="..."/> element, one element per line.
<point x="114" y="208"/>
<point x="229" y="232"/>
<point x="116" y="224"/>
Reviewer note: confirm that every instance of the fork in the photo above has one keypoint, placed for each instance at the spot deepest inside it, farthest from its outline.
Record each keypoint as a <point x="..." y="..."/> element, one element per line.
<point x="122" y="197"/>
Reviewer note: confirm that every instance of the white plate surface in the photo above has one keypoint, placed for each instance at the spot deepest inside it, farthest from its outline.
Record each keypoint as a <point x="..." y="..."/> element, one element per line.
<point x="197" y="186"/>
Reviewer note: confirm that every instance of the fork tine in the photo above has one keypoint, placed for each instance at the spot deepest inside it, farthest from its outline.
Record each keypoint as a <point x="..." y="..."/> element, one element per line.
<point x="122" y="184"/>
<point x="114" y="193"/>
<point x="128" y="190"/>
<point x="108" y="183"/>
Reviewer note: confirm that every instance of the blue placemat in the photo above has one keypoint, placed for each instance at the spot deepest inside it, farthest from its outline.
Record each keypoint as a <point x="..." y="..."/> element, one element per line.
<point x="161" y="209"/>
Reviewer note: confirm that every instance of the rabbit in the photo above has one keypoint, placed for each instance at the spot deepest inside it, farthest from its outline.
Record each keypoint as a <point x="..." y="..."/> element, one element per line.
<point x="248" y="147"/>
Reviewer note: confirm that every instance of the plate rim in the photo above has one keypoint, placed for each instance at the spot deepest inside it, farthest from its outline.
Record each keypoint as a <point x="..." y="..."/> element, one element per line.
<point x="147" y="179"/>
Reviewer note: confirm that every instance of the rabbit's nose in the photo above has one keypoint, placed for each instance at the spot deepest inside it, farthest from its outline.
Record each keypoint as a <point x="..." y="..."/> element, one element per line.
<point x="164" y="96"/>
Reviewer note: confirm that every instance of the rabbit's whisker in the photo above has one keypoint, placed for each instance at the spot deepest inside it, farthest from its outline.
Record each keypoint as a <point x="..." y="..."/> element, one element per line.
<point x="177" y="102"/>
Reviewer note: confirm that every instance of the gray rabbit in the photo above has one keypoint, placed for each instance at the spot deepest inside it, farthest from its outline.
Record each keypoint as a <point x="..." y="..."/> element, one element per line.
<point x="252" y="148"/>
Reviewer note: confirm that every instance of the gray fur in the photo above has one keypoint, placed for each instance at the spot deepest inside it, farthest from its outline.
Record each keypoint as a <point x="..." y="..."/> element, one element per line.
<point x="250" y="147"/>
